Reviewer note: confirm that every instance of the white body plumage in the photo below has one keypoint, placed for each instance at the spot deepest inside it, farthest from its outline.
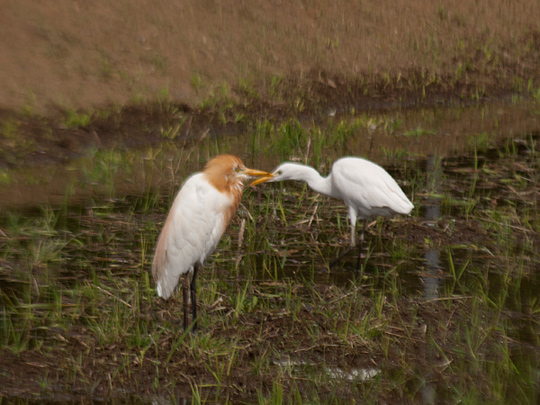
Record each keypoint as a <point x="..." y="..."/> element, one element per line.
<point x="367" y="190"/>
<point x="197" y="220"/>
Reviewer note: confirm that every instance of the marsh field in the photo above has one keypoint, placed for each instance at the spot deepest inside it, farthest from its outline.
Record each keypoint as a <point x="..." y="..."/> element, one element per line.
<point x="106" y="109"/>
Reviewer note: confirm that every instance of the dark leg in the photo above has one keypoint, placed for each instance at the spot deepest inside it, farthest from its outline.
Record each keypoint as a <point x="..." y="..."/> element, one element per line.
<point x="352" y="218"/>
<point x="360" y="244"/>
<point x="185" y="284"/>
<point x="341" y="256"/>
<point x="194" y="297"/>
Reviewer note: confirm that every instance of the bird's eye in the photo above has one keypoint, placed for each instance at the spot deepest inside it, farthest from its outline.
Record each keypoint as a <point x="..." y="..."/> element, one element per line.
<point x="279" y="172"/>
<point x="236" y="169"/>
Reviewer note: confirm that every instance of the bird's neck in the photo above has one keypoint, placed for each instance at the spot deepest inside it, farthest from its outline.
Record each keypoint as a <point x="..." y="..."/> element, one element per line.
<point x="322" y="185"/>
<point x="228" y="185"/>
<point x="231" y="187"/>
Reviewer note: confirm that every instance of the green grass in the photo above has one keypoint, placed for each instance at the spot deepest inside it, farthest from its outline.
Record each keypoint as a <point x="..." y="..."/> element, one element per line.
<point x="76" y="119"/>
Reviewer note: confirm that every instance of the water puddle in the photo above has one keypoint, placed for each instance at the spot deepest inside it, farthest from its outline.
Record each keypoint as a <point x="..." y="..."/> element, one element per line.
<point x="303" y="367"/>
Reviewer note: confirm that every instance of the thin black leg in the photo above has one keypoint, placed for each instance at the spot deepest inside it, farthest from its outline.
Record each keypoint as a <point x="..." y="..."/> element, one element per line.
<point x="194" y="297"/>
<point x="185" y="284"/>
<point x="341" y="256"/>
<point x="360" y="244"/>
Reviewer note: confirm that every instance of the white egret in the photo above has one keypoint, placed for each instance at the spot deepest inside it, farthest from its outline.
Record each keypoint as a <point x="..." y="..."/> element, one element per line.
<point x="195" y="224"/>
<point x="365" y="187"/>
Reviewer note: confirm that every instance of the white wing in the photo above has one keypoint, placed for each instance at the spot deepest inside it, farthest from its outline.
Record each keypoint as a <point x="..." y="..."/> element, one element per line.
<point x="368" y="188"/>
<point x="191" y="232"/>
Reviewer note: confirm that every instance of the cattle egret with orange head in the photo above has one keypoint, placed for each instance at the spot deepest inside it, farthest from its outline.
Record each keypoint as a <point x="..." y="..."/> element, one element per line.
<point x="365" y="187"/>
<point x="195" y="224"/>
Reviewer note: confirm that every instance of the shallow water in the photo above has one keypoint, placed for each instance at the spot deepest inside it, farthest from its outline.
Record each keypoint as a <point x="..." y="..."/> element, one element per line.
<point x="393" y="139"/>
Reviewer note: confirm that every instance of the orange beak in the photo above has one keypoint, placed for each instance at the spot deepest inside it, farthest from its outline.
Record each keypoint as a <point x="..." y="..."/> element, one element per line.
<point x="255" y="173"/>
<point x="263" y="179"/>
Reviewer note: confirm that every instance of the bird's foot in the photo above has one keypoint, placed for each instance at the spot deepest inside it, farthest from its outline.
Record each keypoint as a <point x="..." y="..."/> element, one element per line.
<point x="191" y="328"/>
<point x="340" y="257"/>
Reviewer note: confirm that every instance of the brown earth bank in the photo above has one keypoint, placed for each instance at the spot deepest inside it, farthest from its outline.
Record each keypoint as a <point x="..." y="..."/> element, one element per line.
<point x="77" y="74"/>
<point x="76" y="55"/>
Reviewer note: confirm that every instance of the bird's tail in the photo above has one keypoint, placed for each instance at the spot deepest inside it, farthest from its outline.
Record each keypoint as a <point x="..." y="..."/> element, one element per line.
<point x="159" y="289"/>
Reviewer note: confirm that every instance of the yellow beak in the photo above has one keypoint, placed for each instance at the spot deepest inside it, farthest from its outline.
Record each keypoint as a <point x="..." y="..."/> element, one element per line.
<point x="255" y="173"/>
<point x="263" y="179"/>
